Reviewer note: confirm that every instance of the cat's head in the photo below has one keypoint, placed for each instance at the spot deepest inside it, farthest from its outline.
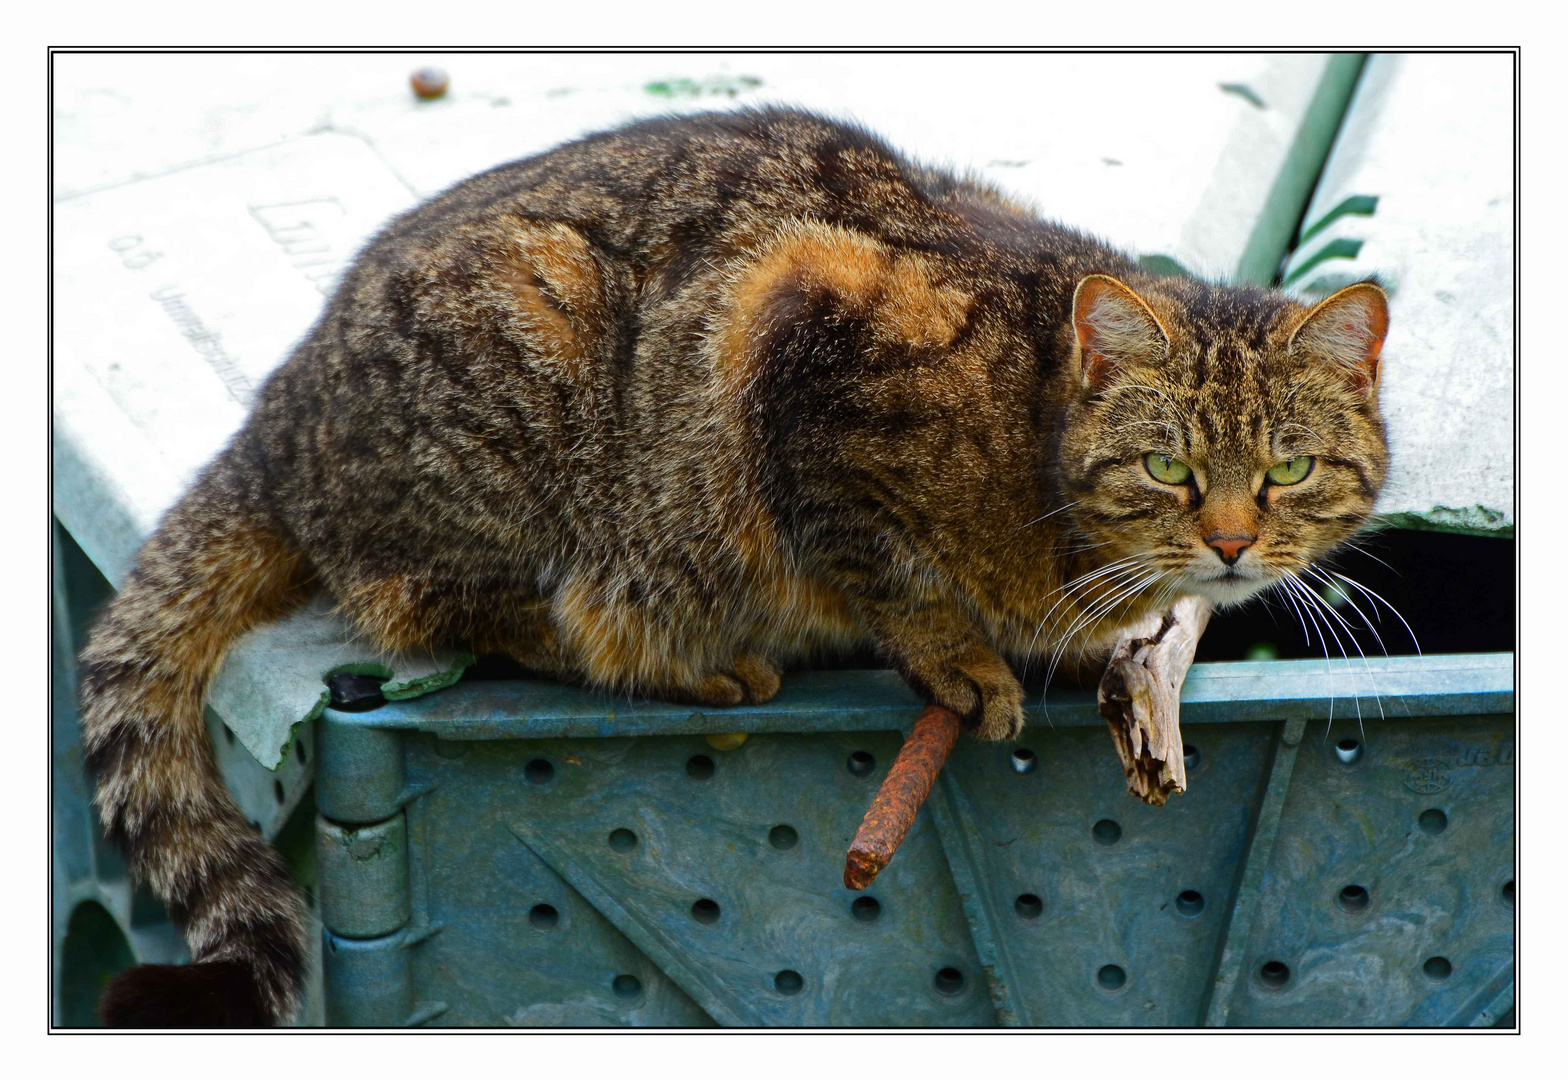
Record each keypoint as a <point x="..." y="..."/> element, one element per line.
<point x="1221" y="437"/>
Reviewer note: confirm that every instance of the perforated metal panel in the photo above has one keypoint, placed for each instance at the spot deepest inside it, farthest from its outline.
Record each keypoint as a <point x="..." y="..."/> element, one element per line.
<point x="558" y="876"/>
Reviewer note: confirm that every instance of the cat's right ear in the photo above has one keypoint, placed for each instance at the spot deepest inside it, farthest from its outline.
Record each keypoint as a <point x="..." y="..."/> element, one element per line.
<point x="1114" y="327"/>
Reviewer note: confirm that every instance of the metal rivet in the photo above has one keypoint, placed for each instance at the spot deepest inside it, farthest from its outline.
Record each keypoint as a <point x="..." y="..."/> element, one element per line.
<point x="1029" y="906"/>
<point x="1348" y="751"/>
<point x="1111" y="976"/>
<point x="1274" y="974"/>
<point x="1353" y="898"/>
<point x="865" y="909"/>
<point x="538" y="771"/>
<point x="626" y="986"/>
<point x="705" y="911"/>
<point x="861" y="763"/>
<point x="1438" y="968"/>
<point x="788" y="982"/>
<point x="1432" y="821"/>
<point x="949" y="981"/>
<point x="1024" y="760"/>
<point x="543" y="916"/>
<point x="699" y="767"/>
<point x="1190" y="756"/>
<point x="1190" y="903"/>
<point x="783" y="837"/>
<point x="623" y="840"/>
<point x="1107" y="831"/>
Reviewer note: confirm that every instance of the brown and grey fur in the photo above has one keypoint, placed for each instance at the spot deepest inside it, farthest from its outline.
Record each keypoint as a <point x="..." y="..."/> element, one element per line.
<point x="669" y="407"/>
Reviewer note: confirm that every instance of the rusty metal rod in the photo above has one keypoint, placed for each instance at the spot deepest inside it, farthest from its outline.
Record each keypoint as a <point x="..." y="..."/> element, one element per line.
<point x="908" y="783"/>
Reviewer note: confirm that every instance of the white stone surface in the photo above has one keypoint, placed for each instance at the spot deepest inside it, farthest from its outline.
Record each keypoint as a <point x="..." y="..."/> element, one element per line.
<point x="203" y="204"/>
<point x="1431" y="137"/>
<point x="174" y="298"/>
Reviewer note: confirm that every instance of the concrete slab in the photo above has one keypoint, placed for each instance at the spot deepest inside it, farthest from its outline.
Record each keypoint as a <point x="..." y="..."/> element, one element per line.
<point x="1419" y="190"/>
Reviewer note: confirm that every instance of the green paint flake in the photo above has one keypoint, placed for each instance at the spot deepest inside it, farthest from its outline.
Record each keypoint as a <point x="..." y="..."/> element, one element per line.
<point x="715" y="85"/>
<point x="1473" y="520"/>
<point x="1163" y="266"/>
<point x="1341" y="247"/>
<point x="1363" y="205"/>
<point x="1245" y="92"/>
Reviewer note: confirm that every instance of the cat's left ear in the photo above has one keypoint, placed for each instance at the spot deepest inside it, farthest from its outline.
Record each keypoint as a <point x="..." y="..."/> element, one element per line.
<point x="1115" y="327"/>
<point x="1346" y="330"/>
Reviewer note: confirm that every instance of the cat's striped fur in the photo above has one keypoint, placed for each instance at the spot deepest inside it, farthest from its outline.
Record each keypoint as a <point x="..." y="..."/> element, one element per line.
<point x="672" y="406"/>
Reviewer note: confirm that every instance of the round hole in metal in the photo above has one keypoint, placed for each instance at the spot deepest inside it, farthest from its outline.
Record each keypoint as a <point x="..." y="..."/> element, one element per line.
<point x="949" y="981"/>
<point x="1029" y="906"/>
<point x="1107" y="831"/>
<point x="1353" y="898"/>
<point x="783" y="837"/>
<point x="699" y="767"/>
<point x="626" y="986"/>
<point x="1190" y="903"/>
<point x="1437" y="967"/>
<point x="1274" y="974"/>
<point x="622" y="840"/>
<point x="543" y="916"/>
<point x="299" y="752"/>
<point x="277" y="791"/>
<point x="705" y="911"/>
<point x="1024" y="760"/>
<point x="1111" y="977"/>
<point x="538" y="771"/>
<point x="1190" y="756"/>
<point x="1348" y="751"/>
<point x="866" y="908"/>
<point x="788" y="982"/>
<point x="861" y="763"/>
<point x="1507" y="893"/>
<point x="1432" y="821"/>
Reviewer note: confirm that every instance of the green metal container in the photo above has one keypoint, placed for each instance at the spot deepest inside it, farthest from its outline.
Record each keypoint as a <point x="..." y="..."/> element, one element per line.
<point x="562" y="858"/>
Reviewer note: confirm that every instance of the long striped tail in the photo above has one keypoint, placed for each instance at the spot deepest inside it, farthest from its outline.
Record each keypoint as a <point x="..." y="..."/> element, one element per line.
<point x="213" y="570"/>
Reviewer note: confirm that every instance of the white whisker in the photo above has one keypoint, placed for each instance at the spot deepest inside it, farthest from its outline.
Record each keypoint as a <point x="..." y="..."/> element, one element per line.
<point x="1313" y="601"/>
<point x="1375" y="597"/>
<point x="1053" y="513"/>
<point x="1377" y="695"/>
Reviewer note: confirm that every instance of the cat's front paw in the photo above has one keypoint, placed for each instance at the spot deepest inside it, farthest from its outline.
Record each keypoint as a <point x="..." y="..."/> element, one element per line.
<point x="982" y="689"/>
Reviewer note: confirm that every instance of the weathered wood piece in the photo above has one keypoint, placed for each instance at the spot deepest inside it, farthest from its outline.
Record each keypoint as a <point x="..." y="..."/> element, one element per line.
<point x="899" y="798"/>
<point x="1140" y="697"/>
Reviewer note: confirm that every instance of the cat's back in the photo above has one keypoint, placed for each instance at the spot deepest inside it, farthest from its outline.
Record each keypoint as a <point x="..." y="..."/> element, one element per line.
<point x="641" y="191"/>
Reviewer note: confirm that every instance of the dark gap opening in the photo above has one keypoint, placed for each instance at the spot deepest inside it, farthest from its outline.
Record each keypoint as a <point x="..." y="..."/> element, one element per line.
<point x="1456" y="592"/>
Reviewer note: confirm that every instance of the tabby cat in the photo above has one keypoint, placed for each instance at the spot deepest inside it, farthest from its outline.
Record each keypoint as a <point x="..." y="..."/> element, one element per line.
<point x="669" y="407"/>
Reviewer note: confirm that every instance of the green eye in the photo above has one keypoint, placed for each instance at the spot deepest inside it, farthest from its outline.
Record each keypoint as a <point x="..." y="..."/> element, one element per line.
<point x="1293" y="471"/>
<point x="1166" y="469"/>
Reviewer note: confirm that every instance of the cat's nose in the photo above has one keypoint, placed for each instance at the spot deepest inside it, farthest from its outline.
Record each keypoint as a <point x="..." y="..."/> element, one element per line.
<point x="1229" y="546"/>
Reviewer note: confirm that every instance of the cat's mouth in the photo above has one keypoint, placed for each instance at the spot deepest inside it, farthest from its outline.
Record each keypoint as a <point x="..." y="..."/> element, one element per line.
<point x="1229" y="586"/>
